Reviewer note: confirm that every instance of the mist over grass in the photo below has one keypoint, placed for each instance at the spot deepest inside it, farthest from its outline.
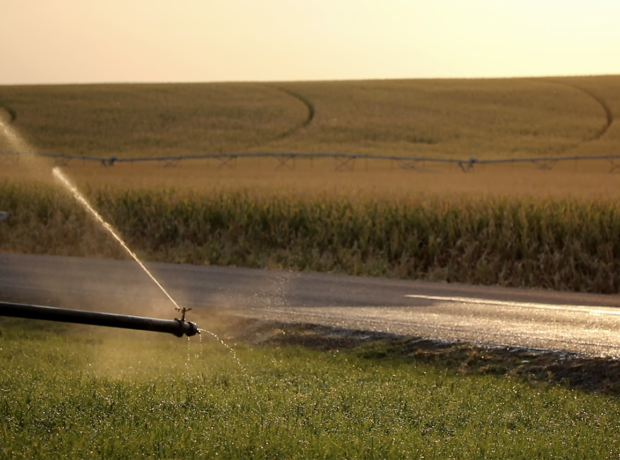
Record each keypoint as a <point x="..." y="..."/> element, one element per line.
<point x="75" y="392"/>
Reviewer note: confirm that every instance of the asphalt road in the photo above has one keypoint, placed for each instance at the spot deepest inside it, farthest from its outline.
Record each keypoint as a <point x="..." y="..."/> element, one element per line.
<point x="579" y="323"/>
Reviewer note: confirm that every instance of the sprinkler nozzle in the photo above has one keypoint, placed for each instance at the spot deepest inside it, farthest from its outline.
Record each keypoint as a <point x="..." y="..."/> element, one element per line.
<point x="183" y="310"/>
<point x="187" y="328"/>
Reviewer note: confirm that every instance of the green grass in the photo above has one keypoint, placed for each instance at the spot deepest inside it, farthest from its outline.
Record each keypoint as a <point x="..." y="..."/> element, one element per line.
<point x="437" y="118"/>
<point x="75" y="393"/>
<point x="562" y="244"/>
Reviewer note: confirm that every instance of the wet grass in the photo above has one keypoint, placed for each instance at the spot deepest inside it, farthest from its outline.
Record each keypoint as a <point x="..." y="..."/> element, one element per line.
<point x="79" y="393"/>
<point x="570" y="370"/>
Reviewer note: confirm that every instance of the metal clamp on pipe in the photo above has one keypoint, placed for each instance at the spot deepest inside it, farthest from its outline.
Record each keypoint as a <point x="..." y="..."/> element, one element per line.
<point x="178" y="327"/>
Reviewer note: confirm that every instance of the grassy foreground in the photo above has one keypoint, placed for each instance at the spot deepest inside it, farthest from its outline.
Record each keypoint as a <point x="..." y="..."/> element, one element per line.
<point x="557" y="243"/>
<point x="82" y="393"/>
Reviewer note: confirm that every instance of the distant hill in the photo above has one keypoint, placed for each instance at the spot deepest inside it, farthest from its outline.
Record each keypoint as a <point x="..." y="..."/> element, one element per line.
<point x="439" y="118"/>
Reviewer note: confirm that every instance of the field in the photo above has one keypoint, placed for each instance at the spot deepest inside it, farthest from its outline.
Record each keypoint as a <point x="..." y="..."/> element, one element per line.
<point x="429" y="118"/>
<point x="559" y="243"/>
<point x="445" y="119"/>
<point x="554" y="229"/>
<point x="72" y="392"/>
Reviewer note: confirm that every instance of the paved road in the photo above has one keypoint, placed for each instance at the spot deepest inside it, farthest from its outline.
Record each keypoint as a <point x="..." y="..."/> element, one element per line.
<point x="588" y="324"/>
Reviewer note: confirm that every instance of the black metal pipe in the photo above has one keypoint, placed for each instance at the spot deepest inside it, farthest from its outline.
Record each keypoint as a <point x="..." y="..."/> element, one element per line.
<point x="177" y="327"/>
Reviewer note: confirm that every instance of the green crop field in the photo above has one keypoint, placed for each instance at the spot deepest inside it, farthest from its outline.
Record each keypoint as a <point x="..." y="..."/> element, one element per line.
<point x="70" y="392"/>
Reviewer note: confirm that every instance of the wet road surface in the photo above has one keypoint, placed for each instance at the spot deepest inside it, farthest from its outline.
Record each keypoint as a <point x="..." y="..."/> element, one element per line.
<point x="580" y="323"/>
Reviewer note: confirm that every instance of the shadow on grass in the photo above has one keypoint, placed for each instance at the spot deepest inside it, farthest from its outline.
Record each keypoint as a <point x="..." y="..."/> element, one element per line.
<point x="600" y="375"/>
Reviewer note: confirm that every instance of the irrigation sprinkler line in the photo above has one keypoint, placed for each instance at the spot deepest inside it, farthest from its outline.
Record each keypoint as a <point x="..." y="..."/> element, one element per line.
<point x="343" y="161"/>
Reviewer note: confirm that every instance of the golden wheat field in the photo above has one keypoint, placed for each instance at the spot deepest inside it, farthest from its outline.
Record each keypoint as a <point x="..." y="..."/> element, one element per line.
<point x="493" y="118"/>
<point x="446" y="119"/>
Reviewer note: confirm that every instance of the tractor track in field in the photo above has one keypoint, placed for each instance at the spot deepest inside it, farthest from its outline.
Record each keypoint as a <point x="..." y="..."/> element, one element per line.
<point x="608" y="112"/>
<point x="296" y="128"/>
<point x="11" y="115"/>
<point x="303" y="100"/>
<point x="609" y="115"/>
<point x="305" y="123"/>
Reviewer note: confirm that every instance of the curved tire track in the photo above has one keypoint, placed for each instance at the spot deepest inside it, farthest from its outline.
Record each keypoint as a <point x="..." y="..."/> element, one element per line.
<point x="304" y="124"/>
<point x="303" y="100"/>
<point x="296" y="128"/>
<point x="609" y="115"/>
<point x="608" y="112"/>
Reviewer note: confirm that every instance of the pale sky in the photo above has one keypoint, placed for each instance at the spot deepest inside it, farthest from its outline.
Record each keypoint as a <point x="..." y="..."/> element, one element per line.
<point x="86" y="41"/>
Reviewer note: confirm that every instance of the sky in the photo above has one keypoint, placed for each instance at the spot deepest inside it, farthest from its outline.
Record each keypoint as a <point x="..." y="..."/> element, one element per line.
<point x="92" y="41"/>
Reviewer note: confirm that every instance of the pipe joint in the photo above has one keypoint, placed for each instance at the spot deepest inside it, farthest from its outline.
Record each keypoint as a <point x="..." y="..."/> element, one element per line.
<point x="186" y="328"/>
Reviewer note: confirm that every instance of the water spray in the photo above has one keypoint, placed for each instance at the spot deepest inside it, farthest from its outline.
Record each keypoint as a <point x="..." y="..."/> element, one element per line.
<point x="178" y="326"/>
<point x="84" y="202"/>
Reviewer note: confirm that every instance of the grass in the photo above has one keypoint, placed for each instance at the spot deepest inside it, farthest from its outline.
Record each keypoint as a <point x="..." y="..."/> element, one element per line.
<point x="438" y="118"/>
<point x="74" y="392"/>
<point x="555" y="243"/>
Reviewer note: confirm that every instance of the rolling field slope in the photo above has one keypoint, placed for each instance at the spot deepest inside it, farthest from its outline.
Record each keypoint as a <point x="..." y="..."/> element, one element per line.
<point x="437" y="118"/>
<point x="133" y="120"/>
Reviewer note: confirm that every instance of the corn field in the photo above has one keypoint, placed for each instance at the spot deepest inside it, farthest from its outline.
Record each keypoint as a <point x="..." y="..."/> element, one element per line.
<point x="556" y="243"/>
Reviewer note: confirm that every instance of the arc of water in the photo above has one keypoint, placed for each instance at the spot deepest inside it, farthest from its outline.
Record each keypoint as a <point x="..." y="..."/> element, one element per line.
<point x="84" y="202"/>
<point x="23" y="148"/>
